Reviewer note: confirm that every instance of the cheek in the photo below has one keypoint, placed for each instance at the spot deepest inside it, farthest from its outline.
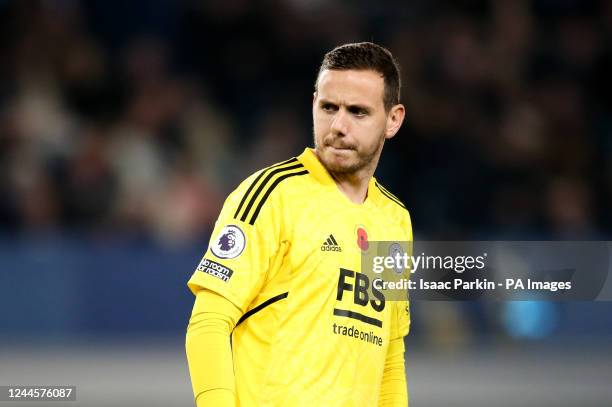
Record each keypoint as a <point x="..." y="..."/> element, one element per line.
<point x="321" y="124"/>
<point x="370" y="134"/>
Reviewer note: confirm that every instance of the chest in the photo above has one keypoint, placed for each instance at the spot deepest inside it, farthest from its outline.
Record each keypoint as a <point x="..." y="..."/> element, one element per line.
<point x="329" y="244"/>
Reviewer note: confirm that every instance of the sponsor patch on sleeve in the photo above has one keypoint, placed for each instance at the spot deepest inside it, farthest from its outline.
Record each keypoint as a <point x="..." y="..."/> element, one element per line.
<point x="215" y="269"/>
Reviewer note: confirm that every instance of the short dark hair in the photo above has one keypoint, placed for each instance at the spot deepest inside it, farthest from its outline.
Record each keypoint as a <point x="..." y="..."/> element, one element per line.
<point x="366" y="56"/>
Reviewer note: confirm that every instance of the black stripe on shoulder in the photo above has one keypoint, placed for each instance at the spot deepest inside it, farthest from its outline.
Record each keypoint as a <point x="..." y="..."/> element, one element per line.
<point x="261" y="306"/>
<point x="389" y="195"/>
<point x="269" y="191"/>
<point x="261" y="174"/>
<point x="263" y="184"/>
<point x="387" y="191"/>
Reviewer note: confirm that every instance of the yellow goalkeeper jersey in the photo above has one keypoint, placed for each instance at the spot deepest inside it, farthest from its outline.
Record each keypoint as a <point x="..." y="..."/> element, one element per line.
<point x="286" y="249"/>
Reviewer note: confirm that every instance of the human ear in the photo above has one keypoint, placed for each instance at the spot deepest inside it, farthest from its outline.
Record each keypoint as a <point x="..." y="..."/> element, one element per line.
<point x="395" y="118"/>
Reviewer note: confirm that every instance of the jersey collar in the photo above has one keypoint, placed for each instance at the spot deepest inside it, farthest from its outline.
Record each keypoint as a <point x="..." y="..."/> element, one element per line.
<point x="314" y="167"/>
<point x="320" y="173"/>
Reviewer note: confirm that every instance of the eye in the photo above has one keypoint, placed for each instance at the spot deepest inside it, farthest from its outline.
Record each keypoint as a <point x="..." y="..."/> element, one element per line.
<point x="329" y="107"/>
<point x="358" y="111"/>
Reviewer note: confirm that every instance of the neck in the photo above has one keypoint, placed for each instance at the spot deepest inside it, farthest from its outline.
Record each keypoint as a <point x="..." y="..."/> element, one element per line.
<point x="355" y="185"/>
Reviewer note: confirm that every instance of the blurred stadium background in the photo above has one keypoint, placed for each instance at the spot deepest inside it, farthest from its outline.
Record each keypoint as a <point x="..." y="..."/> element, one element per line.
<point x="123" y="125"/>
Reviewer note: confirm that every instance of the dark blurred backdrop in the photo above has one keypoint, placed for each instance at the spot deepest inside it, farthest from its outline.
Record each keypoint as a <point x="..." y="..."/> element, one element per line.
<point x="141" y="117"/>
<point x="123" y="126"/>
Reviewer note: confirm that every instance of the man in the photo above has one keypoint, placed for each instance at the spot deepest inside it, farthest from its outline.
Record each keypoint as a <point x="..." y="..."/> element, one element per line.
<point x="281" y="317"/>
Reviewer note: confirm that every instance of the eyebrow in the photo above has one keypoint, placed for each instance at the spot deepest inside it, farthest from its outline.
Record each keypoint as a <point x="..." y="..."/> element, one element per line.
<point x="323" y="101"/>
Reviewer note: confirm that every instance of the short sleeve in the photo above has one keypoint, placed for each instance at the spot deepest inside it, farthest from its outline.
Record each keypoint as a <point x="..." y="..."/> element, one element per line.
<point x="239" y="253"/>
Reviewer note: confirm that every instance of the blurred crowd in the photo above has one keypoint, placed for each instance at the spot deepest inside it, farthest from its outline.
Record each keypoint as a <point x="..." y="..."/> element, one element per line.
<point x="141" y="117"/>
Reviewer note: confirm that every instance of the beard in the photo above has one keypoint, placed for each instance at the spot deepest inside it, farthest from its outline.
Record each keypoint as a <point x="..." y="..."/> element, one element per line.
<point x="353" y="159"/>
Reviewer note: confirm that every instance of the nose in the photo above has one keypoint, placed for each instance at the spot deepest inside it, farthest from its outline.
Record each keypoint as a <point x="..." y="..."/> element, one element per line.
<point x="340" y="123"/>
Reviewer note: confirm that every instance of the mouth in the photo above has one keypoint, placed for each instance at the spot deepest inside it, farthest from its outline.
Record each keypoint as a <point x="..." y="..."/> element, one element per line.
<point x="340" y="148"/>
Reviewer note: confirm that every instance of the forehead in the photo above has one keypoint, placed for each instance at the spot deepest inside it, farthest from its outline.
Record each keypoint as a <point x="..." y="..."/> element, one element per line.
<point x="351" y="86"/>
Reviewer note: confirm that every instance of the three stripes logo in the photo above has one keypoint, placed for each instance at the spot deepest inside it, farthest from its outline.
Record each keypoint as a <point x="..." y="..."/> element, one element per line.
<point x="331" y="245"/>
<point x="389" y="195"/>
<point x="258" y="192"/>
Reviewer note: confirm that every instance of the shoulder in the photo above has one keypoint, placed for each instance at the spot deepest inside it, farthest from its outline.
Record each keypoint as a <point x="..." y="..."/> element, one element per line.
<point x="263" y="189"/>
<point x="393" y="204"/>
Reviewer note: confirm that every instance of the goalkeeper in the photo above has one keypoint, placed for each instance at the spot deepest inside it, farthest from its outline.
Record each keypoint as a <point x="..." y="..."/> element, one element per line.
<point x="281" y="316"/>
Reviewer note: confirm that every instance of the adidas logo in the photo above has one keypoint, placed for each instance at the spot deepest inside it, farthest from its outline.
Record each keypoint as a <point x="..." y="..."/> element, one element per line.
<point x="330" y="245"/>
